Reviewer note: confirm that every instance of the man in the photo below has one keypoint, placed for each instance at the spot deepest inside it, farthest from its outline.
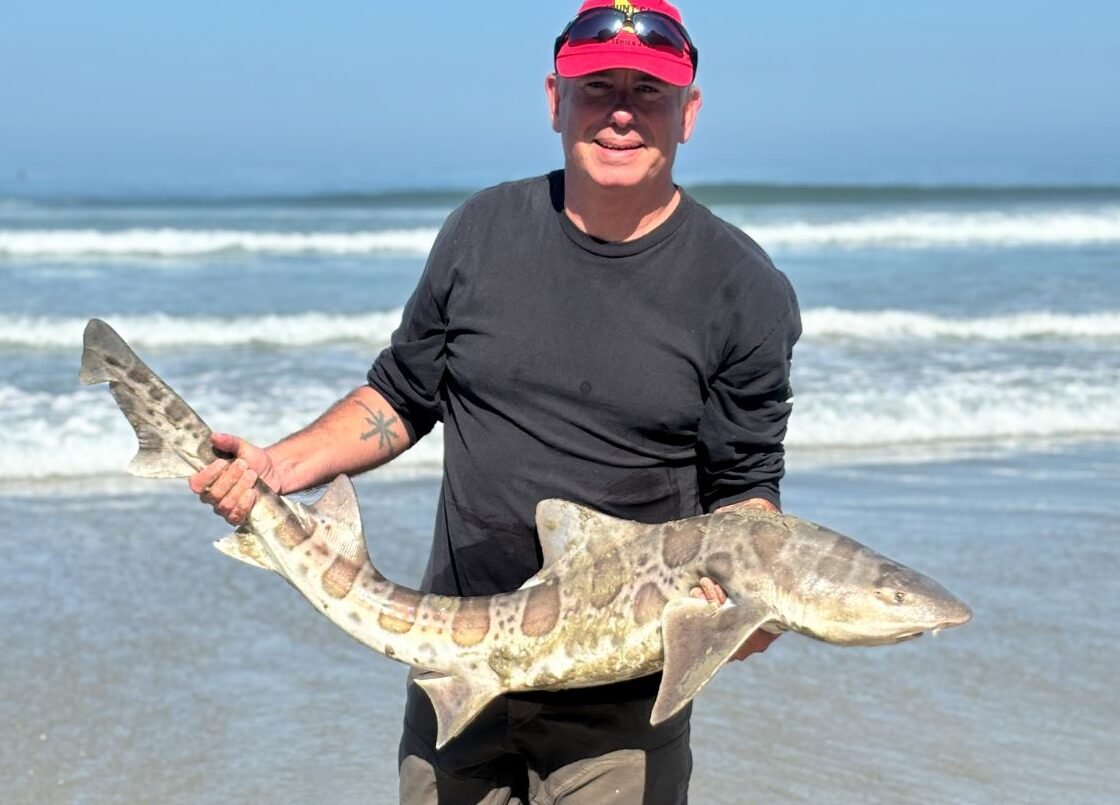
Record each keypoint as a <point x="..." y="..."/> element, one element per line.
<point x="595" y="335"/>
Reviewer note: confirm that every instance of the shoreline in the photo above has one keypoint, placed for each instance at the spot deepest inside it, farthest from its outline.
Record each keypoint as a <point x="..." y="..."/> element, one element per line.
<point x="799" y="461"/>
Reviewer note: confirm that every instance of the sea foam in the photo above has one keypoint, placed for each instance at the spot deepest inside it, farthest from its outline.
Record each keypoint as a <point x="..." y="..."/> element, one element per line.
<point x="991" y="229"/>
<point x="188" y="243"/>
<point x="81" y="433"/>
<point x="161" y="331"/>
<point x="891" y="325"/>
<point x="910" y="230"/>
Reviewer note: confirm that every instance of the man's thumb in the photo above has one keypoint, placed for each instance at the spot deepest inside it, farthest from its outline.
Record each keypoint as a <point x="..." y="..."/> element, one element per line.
<point x="225" y="445"/>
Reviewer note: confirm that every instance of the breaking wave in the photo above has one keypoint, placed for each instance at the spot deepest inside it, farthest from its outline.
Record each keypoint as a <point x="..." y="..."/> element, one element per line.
<point x="915" y="230"/>
<point x="80" y="433"/>
<point x="891" y="325"/>
<point x="947" y="230"/>
<point x="162" y="331"/>
<point x="77" y="244"/>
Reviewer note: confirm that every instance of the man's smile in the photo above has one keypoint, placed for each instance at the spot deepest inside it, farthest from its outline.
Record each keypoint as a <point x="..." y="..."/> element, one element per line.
<point x="616" y="145"/>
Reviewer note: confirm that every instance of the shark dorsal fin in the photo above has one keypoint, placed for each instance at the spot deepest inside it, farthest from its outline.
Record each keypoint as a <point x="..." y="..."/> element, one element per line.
<point x="335" y="517"/>
<point x="340" y="503"/>
<point x="563" y="526"/>
<point x="337" y="509"/>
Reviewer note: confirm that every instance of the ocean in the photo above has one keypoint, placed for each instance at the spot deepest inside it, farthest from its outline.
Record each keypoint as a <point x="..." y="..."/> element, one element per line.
<point x="957" y="406"/>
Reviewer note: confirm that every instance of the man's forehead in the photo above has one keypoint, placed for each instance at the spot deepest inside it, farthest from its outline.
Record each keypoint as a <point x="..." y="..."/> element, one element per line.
<point x="638" y="75"/>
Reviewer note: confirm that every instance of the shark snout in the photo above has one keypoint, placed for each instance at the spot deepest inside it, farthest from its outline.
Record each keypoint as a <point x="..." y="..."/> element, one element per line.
<point x="957" y="614"/>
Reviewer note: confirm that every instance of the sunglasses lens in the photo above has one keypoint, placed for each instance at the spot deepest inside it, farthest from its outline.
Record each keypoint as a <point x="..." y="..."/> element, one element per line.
<point x="656" y="32"/>
<point x="599" y="26"/>
<point x="653" y="30"/>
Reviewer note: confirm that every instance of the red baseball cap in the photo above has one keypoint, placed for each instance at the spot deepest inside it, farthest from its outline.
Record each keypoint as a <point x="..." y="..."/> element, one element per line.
<point x="625" y="50"/>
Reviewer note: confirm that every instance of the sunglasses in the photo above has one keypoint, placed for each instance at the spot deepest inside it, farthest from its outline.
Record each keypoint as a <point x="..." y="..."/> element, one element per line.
<point x="653" y="30"/>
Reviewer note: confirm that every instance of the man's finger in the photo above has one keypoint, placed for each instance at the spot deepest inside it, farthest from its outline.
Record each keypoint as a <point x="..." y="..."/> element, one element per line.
<point x="244" y="505"/>
<point x="244" y="483"/>
<point x="224" y="483"/>
<point x="201" y="480"/>
<point x="231" y="498"/>
<point x="712" y="591"/>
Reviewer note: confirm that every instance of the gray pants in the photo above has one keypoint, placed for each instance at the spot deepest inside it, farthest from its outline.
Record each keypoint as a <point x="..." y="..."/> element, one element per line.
<point x="571" y="747"/>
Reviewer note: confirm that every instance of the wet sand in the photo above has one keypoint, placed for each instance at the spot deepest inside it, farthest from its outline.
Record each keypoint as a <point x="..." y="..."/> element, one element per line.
<point x="139" y="665"/>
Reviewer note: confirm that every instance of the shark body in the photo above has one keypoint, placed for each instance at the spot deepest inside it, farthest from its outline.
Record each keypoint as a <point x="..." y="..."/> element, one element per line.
<point x="612" y="601"/>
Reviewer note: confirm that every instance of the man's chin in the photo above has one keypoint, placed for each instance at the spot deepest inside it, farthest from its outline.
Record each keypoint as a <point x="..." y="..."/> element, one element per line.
<point x="619" y="176"/>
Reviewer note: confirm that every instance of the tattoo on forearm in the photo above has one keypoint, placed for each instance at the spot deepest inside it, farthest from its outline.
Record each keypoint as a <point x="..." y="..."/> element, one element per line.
<point x="381" y="427"/>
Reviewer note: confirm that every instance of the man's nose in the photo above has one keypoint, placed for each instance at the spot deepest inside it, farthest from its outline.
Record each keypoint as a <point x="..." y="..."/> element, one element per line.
<point x="621" y="114"/>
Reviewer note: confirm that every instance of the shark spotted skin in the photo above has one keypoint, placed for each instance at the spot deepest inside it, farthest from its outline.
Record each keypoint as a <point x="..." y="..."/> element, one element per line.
<point x="612" y="601"/>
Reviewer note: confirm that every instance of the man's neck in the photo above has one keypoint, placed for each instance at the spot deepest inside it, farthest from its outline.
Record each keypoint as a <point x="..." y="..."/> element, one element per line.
<point x="617" y="214"/>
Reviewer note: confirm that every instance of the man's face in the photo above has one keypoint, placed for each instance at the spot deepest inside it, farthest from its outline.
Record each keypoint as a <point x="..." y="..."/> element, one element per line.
<point x="621" y="128"/>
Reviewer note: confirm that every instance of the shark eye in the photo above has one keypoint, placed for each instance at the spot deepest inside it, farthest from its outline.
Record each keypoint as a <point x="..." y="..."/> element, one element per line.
<point x="899" y="596"/>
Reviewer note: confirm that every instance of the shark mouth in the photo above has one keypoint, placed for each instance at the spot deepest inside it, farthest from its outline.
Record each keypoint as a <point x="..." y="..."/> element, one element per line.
<point x="911" y="636"/>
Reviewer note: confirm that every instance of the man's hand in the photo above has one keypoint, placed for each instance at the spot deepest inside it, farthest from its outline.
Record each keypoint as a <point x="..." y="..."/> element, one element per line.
<point x="359" y="432"/>
<point x="228" y="485"/>
<point x="759" y="640"/>
<point x="757" y="643"/>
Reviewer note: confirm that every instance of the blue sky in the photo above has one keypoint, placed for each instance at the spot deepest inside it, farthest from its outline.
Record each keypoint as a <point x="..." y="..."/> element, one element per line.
<point x="135" y="96"/>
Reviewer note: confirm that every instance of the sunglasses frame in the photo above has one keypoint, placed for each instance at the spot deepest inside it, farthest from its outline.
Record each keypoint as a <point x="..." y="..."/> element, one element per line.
<point x="629" y="17"/>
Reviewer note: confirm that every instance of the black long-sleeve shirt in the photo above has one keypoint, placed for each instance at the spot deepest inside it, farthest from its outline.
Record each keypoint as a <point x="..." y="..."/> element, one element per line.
<point x="647" y="379"/>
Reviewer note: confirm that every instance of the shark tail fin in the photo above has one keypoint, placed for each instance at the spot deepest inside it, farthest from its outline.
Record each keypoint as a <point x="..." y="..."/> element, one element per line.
<point x="174" y="441"/>
<point x="456" y="703"/>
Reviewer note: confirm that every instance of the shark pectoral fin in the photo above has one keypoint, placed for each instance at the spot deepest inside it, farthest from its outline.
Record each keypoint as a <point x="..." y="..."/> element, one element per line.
<point x="698" y="640"/>
<point x="563" y="526"/>
<point x="244" y="546"/>
<point x="456" y="702"/>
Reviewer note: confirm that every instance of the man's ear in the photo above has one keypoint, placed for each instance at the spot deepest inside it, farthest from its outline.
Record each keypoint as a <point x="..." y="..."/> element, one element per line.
<point x="552" y="90"/>
<point x="692" y="103"/>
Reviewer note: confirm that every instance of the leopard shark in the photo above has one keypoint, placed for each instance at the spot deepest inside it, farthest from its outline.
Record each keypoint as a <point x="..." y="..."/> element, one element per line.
<point x="611" y="602"/>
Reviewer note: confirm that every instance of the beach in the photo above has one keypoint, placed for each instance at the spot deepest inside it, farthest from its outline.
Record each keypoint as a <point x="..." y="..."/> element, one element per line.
<point x="956" y="398"/>
<point x="142" y="665"/>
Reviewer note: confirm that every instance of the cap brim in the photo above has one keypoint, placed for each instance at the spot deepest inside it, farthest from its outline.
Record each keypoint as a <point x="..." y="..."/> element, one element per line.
<point x="573" y="62"/>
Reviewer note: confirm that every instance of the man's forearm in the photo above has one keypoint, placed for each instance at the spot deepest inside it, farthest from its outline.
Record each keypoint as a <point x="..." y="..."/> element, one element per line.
<point x="359" y="432"/>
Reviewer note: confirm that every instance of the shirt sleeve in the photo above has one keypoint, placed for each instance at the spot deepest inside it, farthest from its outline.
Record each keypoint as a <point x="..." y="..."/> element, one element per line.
<point x="748" y="406"/>
<point x="409" y="372"/>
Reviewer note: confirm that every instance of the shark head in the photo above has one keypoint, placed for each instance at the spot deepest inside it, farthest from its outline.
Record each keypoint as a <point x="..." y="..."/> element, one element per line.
<point x="890" y="605"/>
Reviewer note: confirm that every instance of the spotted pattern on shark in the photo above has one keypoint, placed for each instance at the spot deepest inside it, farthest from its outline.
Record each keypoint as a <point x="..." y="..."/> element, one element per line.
<point x="612" y="601"/>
